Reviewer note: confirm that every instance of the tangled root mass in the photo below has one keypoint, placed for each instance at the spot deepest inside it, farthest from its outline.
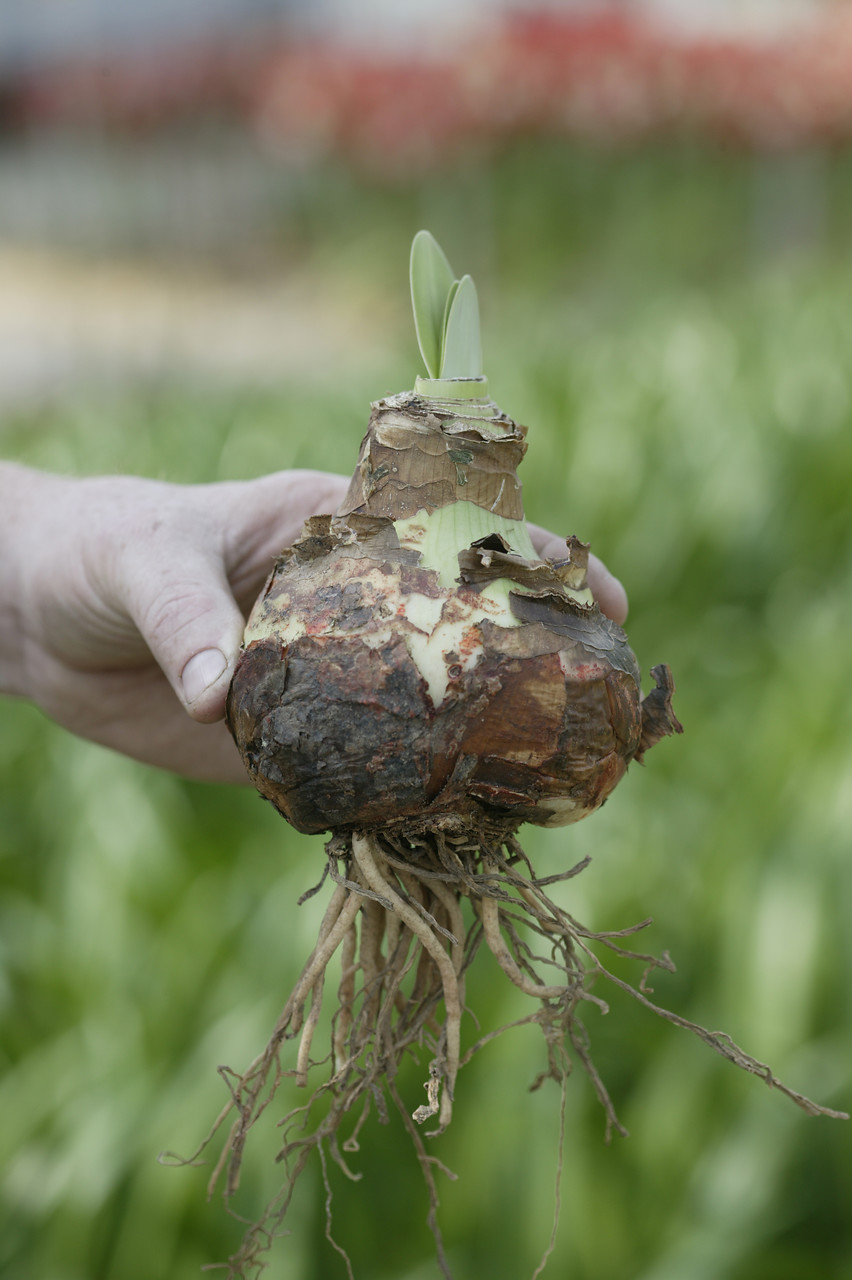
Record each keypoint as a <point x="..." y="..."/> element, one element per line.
<point x="396" y="917"/>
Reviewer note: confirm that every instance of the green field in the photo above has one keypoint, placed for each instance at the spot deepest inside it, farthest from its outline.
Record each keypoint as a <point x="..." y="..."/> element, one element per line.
<point x="675" y="327"/>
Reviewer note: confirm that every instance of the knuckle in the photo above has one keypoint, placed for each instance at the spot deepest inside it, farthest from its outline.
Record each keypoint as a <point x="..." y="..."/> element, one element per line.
<point x="168" y="615"/>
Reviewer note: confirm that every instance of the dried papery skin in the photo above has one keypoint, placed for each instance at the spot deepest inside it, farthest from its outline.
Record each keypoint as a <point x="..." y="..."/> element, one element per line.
<point x="415" y="457"/>
<point x="369" y="695"/>
<point x="411" y="998"/>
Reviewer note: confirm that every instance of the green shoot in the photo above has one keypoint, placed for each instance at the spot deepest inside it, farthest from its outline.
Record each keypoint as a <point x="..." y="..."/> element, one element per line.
<point x="446" y="313"/>
<point x="462" y="351"/>
<point x="431" y="282"/>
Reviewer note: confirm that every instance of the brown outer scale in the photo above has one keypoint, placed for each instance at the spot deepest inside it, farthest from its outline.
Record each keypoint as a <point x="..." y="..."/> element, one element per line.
<point x="414" y="458"/>
<point x="337" y="727"/>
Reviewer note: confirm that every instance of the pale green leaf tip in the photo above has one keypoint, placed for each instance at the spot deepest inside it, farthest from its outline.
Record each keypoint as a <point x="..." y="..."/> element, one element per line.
<point x="461" y="355"/>
<point x="446" y="314"/>
<point x="431" y="278"/>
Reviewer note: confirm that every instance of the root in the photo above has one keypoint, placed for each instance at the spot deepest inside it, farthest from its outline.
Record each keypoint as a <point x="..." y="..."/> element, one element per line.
<point x="489" y="914"/>
<point x="362" y="855"/>
<point x="397" y="914"/>
<point x="345" y="996"/>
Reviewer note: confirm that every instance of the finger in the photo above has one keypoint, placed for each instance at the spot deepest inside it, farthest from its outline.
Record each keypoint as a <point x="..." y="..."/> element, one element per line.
<point x="264" y="516"/>
<point x="605" y="587"/>
<point x="191" y="623"/>
<point x="608" y="591"/>
<point x="135" y="712"/>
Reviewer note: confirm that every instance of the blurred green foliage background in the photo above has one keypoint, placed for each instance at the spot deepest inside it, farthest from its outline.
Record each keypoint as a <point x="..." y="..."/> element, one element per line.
<point x="673" y="323"/>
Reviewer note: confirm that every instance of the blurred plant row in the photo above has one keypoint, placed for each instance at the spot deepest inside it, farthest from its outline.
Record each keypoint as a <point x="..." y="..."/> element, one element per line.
<point x="605" y="75"/>
<point x="689" y="396"/>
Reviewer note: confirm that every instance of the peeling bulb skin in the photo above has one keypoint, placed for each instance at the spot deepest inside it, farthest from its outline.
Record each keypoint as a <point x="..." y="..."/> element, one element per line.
<point x="376" y="691"/>
<point x="419" y="456"/>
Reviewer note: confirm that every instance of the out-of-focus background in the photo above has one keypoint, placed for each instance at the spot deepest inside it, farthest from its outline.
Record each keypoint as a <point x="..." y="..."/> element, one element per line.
<point x="205" y="214"/>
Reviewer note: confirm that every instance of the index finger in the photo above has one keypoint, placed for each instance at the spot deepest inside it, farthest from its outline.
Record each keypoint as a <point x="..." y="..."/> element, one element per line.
<point x="605" y="587"/>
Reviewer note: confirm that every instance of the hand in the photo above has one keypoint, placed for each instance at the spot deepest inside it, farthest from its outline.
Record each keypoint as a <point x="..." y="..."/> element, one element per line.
<point x="123" y="601"/>
<point x="130" y="602"/>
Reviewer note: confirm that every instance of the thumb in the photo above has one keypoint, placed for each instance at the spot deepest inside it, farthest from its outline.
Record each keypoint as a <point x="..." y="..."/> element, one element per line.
<point x="191" y="623"/>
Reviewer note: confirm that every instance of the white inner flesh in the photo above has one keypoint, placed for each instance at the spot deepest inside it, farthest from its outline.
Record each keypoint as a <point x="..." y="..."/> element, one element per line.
<point x="439" y="631"/>
<point x="452" y="641"/>
<point x="441" y="534"/>
<point x="448" y="641"/>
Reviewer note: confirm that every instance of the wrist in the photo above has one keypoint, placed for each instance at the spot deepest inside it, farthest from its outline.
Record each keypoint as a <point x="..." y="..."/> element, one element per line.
<point x="13" y="480"/>
<point x="24" y="505"/>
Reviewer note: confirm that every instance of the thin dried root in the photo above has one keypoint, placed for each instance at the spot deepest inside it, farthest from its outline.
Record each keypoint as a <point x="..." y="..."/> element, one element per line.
<point x="345" y="996"/>
<point x="316" y="965"/>
<point x="303" y="1060"/>
<point x="401" y="962"/>
<point x="363" y="856"/>
<point x="373" y="916"/>
<point x="328" y="924"/>
<point x="449" y="901"/>
<point x="248" y="1092"/>
<point x="397" y="914"/>
<point x="489" y="914"/>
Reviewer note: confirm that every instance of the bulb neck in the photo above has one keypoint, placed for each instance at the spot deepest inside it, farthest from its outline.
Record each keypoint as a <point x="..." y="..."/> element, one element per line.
<point x="452" y="388"/>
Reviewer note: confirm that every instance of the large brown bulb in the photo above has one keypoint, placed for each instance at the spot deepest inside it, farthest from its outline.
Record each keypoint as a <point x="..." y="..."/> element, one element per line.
<point x="350" y="713"/>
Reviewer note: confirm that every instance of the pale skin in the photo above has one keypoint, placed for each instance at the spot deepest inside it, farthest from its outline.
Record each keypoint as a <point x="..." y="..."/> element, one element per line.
<point x="123" y="600"/>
